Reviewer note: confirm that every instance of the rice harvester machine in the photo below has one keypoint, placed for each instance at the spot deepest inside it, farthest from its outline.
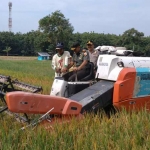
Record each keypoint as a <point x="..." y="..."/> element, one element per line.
<point x="119" y="82"/>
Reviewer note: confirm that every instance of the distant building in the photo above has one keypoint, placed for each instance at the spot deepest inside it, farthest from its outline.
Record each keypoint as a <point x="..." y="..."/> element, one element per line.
<point x="43" y="56"/>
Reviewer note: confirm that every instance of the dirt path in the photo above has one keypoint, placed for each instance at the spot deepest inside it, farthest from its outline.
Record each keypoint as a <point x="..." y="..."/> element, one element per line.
<point x="17" y="58"/>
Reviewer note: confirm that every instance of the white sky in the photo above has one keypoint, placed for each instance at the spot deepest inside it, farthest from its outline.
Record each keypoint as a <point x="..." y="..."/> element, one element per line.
<point x="100" y="16"/>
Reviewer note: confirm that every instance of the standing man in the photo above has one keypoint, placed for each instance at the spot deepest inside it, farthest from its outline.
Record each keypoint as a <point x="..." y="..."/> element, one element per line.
<point x="80" y="63"/>
<point x="93" y="54"/>
<point x="60" y="60"/>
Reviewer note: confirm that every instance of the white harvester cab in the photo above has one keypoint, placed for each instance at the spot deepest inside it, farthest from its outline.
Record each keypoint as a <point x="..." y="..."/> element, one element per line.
<point x="109" y="68"/>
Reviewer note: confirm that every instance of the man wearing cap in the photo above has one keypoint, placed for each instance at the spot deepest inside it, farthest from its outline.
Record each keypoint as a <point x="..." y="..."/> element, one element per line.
<point x="93" y="54"/>
<point x="60" y="60"/>
<point x="80" y="63"/>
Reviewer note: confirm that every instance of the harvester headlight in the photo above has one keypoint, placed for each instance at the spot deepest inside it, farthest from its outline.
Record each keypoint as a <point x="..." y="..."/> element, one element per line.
<point x="120" y="64"/>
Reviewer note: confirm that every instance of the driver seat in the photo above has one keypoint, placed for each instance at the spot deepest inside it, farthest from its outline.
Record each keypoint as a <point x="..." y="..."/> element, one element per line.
<point x="91" y="75"/>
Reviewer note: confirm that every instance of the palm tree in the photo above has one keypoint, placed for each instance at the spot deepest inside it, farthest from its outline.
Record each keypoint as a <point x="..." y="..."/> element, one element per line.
<point x="7" y="49"/>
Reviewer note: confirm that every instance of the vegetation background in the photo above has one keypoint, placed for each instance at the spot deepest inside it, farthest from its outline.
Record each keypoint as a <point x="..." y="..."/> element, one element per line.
<point x="55" y="28"/>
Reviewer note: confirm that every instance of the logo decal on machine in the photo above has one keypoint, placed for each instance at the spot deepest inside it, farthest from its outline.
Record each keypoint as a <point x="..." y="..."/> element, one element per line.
<point x="141" y="87"/>
<point x="103" y="64"/>
<point x="145" y="76"/>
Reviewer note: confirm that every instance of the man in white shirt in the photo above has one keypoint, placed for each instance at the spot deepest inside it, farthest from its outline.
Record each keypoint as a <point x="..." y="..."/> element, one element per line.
<point x="60" y="61"/>
<point x="93" y="54"/>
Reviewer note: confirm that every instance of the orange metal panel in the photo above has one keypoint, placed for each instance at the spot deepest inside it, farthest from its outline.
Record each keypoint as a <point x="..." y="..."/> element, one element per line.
<point x="134" y="104"/>
<point x="24" y="102"/>
<point x="124" y="86"/>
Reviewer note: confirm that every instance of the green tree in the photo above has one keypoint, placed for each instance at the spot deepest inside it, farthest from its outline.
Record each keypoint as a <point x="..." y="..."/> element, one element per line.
<point x="57" y="28"/>
<point x="132" y="39"/>
<point x="7" y="49"/>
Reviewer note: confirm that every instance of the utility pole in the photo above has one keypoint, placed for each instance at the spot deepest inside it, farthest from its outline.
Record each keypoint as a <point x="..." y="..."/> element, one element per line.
<point x="10" y="19"/>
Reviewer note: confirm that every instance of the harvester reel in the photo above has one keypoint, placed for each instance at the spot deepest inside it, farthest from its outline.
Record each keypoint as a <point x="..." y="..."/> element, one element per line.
<point x="9" y="85"/>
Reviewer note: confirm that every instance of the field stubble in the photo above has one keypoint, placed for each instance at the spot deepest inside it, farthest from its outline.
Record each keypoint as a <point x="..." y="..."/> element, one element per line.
<point x="122" y="131"/>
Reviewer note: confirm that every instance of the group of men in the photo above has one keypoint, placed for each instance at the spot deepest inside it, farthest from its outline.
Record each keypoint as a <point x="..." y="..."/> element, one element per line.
<point x="62" y="61"/>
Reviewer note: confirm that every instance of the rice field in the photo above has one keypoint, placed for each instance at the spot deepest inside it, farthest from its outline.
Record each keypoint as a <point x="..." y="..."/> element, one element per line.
<point x="123" y="131"/>
<point x="28" y="70"/>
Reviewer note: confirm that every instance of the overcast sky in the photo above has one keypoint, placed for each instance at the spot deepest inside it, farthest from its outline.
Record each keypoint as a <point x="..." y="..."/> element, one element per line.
<point x="100" y="16"/>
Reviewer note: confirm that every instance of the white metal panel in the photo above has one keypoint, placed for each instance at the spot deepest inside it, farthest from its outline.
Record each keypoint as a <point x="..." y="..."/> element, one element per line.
<point x="135" y="62"/>
<point x="58" y="87"/>
<point x="107" y="67"/>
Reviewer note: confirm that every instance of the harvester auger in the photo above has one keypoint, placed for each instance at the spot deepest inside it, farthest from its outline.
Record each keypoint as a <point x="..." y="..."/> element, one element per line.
<point x="9" y="85"/>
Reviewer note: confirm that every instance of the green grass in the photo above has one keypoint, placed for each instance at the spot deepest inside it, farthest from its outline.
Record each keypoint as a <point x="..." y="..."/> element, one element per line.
<point x="34" y="72"/>
<point x="124" y="131"/>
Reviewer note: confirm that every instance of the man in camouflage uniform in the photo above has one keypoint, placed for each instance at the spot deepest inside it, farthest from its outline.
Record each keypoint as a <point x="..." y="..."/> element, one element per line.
<point x="80" y="63"/>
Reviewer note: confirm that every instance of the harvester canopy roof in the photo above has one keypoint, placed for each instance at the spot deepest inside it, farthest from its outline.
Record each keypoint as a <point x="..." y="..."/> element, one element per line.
<point x="43" y="54"/>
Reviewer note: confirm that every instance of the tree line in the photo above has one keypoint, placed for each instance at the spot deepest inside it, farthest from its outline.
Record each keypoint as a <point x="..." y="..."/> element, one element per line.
<point x="56" y="28"/>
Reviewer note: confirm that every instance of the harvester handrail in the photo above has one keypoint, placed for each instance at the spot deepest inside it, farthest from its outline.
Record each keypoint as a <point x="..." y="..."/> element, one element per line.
<point x="38" y="120"/>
